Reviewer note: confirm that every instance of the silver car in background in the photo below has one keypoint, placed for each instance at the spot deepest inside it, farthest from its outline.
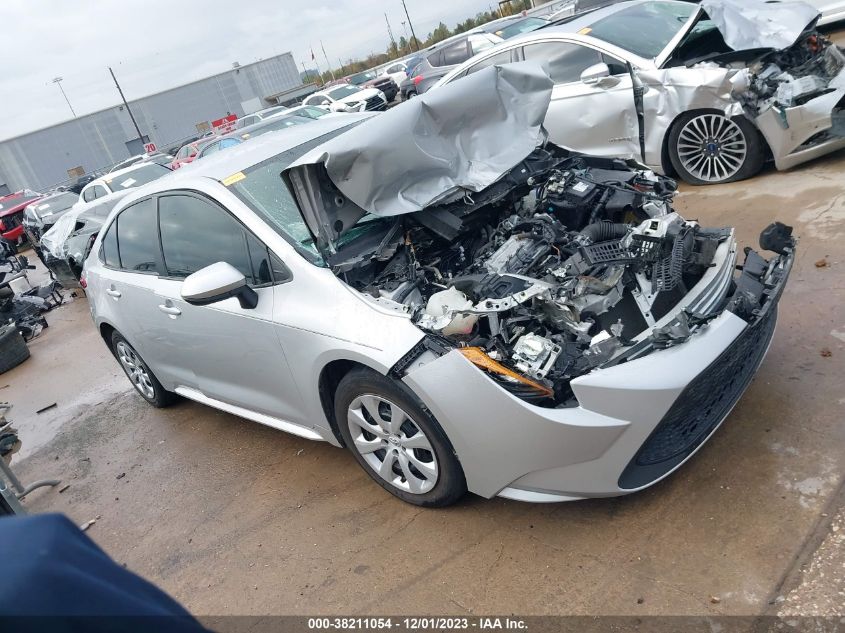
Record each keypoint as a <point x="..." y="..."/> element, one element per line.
<point x="707" y="97"/>
<point x="463" y="314"/>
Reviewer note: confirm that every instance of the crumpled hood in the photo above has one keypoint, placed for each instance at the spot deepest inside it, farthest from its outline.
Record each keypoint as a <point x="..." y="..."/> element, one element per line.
<point x="750" y="24"/>
<point x="457" y="139"/>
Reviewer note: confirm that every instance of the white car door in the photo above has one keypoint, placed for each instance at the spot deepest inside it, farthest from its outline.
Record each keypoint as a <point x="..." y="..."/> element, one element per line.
<point x="597" y="117"/>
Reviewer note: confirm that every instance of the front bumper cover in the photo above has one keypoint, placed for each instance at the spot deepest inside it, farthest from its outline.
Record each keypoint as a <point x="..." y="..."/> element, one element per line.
<point x="636" y="422"/>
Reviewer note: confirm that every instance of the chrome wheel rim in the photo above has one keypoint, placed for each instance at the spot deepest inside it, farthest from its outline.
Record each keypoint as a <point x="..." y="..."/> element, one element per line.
<point x="712" y="147"/>
<point x="392" y="444"/>
<point x="136" y="370"/>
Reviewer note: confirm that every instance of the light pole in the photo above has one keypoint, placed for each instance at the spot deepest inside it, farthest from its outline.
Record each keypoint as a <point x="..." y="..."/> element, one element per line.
<point x="58" y="82"/>
<point x="413" y="35"/>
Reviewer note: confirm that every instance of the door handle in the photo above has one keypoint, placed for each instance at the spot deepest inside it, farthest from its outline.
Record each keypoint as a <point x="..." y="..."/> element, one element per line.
<point x="172" y="311"/>
<point x="113" y="293"/>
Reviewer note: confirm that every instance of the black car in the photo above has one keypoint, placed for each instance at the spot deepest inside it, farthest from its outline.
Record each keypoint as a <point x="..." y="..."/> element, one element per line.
<point x="369" y="79"/>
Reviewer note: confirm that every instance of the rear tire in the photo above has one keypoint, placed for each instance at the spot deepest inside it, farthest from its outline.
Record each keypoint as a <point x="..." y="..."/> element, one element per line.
<point x="397" y="441"/>
<point x="139" y="374"/>
<point x="706" y="148"/>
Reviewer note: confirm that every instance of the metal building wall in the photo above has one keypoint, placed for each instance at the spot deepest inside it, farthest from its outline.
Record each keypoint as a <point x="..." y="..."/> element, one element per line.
<point x="40" y="159"/>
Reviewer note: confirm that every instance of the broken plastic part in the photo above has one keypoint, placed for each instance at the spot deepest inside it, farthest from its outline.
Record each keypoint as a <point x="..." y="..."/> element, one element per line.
<point x="479" y="358"/>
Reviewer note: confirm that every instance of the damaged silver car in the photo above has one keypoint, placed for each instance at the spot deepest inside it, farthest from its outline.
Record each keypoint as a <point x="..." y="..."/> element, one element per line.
<point x="462" y="314"/>
<point x="707" y="92"/>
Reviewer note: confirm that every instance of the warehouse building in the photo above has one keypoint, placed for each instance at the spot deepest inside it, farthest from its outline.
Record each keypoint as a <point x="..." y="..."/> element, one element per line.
<point x="61" y="153"/>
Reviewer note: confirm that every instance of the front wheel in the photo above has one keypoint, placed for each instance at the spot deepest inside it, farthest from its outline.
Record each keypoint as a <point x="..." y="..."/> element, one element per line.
<point x="398" y="443"/>
<point x="710" y="148"/>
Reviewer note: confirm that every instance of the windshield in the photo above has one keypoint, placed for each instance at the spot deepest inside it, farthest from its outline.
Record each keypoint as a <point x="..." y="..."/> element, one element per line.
<point x="311" y="112"/>
<point x="343" y="91"/>
<point x="137" y="177"/>
<point x="61" y="202"/>
<point x="361" y="78"/>
<point x="644" y="29"/>
<point x="271" y="125"/>
<point x="523" y="26"/>
<point x="264" y="191"/>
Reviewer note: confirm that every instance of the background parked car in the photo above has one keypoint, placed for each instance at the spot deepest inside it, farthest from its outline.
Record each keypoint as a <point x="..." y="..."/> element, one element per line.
<point x="255" y="117"/>
<point x="11" y="213"/>
<point x="348" y="98"/>
<point x="369" y="79"/>
<point x="520" y="27"/>
<point x="310" y="112"/>
<point x="685" y="127"/>
<point x="40" y="216"/>
<point x="188" y="152"/>
<point x="121" y="180"/>
<point x="397" y="72"/>
<point x="439" y="59"/>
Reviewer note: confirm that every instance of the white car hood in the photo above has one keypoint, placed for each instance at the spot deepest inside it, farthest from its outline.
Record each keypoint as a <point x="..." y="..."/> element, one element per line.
<point x="366" y="93"/>
<point x="750" y="24"/>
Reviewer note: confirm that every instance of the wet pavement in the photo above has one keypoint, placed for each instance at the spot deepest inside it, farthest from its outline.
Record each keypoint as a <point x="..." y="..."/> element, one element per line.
<point x="232" y="517"/>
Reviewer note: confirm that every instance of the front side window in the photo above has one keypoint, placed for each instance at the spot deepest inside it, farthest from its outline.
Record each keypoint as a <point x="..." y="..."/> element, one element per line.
<point x="480" y="43"/>
<point x="137" y="242"/>
<point x="565" y="61"/>
<point x="196" y="233"/>
<point x="500" y="58"/>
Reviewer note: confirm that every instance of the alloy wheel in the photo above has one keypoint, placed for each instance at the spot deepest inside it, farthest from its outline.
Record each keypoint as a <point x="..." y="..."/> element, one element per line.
<point x="712" y="147"/>
<point x="392" y="443"/>
<point x="135" y="369"/>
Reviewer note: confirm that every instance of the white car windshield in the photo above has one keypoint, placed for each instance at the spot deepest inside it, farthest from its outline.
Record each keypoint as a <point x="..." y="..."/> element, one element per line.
<point x="343" y="91"/>
<point x="137" y="177"/>
<point x="644" y="29"/>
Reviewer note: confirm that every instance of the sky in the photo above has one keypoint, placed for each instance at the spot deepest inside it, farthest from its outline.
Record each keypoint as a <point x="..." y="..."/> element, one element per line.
<point x="153" y="45"/>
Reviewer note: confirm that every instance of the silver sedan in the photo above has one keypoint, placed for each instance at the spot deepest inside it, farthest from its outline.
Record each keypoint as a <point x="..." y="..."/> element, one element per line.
<point x="460" y="313"/>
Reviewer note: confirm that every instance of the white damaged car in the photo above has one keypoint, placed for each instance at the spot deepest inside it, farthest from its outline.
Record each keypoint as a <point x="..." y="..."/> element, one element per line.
<point x="706" y="91"/>
<point x="461" y="313"/>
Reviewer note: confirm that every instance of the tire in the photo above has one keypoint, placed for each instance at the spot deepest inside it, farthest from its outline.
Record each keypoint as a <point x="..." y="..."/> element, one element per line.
<point x="144" y="381"/>
<point x="410" y="95"/>
<point x="13" y="349"/>
<point x="706" y="148"/>
<point x="423" y="469"/>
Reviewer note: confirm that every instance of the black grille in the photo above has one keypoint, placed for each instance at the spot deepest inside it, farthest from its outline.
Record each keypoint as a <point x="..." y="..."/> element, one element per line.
<point x="376" y="103"/>
<point x="702" y="406"/>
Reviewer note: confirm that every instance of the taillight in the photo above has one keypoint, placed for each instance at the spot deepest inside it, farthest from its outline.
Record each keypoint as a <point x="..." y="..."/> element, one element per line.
<point x="83" y="281"/>
<point x="417" y="80"/>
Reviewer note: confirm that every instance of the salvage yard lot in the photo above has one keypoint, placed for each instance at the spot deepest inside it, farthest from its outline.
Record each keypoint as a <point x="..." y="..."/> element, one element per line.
<point x="232" y="517"/>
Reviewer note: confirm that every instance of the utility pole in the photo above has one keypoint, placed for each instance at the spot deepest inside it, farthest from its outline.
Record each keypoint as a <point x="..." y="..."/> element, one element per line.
<point x="413" y="35"/>
<point x="328" y="63"/>
<point x="58" y="82"/>
<point x="390" y="32"/>
<point x="128" y="109"/>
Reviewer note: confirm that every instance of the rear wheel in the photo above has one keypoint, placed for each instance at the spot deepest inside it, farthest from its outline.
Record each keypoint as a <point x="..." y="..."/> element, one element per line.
<point x="397" y="441"/>
<point x="710" y="148"/>
<point x="139" y="374"/>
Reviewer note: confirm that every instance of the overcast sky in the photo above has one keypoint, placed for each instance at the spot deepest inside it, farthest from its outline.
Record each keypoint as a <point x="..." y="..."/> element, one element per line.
<point x="157" y="44"/>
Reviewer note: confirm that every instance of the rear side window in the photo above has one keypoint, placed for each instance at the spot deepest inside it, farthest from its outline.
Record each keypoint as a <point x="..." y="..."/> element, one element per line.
<point x="137" y="241"/>
<point x="108" y="254"/>
<point x="196" y="233"/>
<point x="566" y="61"/>
<point x="457" y="53"/>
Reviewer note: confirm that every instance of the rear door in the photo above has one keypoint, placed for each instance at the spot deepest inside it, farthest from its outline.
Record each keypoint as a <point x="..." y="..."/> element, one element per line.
<point x="595" y="118"/>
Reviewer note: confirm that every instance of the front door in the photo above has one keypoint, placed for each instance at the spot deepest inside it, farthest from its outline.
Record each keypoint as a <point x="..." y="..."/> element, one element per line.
<point x="233" y="353"/>
<point x="595" y="118"/>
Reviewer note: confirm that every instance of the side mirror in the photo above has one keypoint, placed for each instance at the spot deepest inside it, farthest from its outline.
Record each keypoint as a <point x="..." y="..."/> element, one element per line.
<point x="596" y="75"/>
<point x="218" y="282"/>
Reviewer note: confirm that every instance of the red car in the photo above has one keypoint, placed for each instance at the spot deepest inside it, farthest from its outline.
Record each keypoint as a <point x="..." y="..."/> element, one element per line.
<point x="188" y="152"/>
<point x="11" y="212"/>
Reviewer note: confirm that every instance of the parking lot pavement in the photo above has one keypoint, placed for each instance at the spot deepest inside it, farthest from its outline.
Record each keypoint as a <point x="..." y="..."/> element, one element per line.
<point x="232" y="517"/>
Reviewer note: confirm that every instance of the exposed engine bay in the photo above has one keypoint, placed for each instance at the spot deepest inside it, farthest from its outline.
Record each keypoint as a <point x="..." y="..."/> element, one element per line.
<point x="791" y="77"/>
<point x="546" y="275"/>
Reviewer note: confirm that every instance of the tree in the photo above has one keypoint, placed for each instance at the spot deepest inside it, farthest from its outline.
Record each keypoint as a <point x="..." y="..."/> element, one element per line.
<point x="403" y="45"/>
